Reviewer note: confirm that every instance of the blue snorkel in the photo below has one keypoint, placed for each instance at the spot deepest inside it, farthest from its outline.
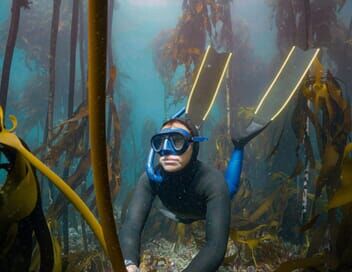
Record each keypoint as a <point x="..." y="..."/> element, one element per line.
<point x="152" y="174"/>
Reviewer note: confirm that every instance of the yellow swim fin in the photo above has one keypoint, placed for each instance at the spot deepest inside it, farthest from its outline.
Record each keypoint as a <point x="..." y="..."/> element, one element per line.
<point x="285" y="84"/>
<point x="206" y="85"/>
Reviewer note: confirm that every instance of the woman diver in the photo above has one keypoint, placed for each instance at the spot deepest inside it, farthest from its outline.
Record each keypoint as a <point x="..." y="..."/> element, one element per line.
<point x="189" y="189"/>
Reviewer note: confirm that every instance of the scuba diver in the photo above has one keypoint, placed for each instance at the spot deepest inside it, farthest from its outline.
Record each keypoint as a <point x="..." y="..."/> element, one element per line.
<point x="190" y="190"/>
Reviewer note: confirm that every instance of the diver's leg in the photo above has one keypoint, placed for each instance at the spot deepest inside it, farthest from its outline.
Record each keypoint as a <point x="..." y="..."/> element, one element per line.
<point x="234" y="167"/>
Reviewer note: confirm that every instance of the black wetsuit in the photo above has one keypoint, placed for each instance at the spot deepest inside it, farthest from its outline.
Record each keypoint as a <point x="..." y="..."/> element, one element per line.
<point x="196" y="192"/>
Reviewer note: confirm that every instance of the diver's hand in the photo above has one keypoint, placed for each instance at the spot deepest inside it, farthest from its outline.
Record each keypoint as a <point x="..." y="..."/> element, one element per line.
<point x="132" y="268"/>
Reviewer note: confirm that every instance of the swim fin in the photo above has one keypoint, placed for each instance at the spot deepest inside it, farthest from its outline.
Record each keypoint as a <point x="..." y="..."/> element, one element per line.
<point x="285" y="84"/>
<point x="251" y="132"/>
<point x="279" y="93"/>
<point x="206" y="85"/>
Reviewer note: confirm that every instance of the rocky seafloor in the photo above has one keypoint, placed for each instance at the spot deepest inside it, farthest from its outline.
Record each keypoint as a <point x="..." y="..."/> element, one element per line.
<point x="166" y="256"/>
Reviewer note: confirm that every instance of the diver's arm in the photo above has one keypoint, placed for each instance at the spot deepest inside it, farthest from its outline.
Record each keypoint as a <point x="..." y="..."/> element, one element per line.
<point x="212" y="253"/>
<point x="138" y="210"/>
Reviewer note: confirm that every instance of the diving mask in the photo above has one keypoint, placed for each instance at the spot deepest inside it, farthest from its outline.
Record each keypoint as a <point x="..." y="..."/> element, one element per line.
<point x="173" y="141"/>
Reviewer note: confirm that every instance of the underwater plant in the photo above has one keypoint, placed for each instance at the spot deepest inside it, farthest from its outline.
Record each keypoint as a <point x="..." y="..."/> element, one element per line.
<point x="184" y="45"/>
<point x="10" y="47"/>
<point x="21" y="212"/>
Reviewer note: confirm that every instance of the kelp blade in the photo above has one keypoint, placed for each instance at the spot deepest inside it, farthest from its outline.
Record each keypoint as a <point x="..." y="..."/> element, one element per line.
<point x="19" y="192"/>
<point x="343" y="195"/>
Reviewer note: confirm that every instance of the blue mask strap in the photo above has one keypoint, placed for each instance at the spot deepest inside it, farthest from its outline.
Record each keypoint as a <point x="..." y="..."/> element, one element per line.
<point x="150" y="163"/>
<point x="199" y="139"/>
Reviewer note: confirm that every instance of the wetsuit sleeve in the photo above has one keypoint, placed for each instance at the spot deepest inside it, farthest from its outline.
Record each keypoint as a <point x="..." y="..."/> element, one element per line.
<point x="137" y="212"/>
<point x="217" y="223"/>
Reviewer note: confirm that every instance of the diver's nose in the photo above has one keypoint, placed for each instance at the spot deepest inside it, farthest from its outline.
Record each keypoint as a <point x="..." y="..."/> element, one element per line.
<point x="166" y="149"/>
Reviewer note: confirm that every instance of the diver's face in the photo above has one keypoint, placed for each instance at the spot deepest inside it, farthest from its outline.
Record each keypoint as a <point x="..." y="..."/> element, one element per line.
<point x="173" y="163"/>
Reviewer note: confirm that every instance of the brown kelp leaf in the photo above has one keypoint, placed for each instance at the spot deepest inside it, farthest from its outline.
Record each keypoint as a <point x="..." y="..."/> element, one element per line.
<point x="195" y="26"/>
<point x="113" y="72"/>
<point x="73" y="181"/>
<point x="279" y="176"/>
<point x="335" y="91"/>
<point x="264" y="207"/>
<point x="111" y="82"/>
<point x="254" y="243"/>
<point x="310" y="224"/>
<point x="343" y="195"/>
<point x="19" y="194"/>
<point x="276" y="146"/>
<point x="322" y="97"/>
<point x="246" y="113"/>
<point x="78" y="116"/>
<point x="65" y="143"/>
<point x="298" y="169"/>
<point x="230" y="259"/>
<point x="244" y="187"/>
<point x="117" y="127"/>
<point x="194" y="51"/>
<point x="329" y="163"/>
<point x="236" y="235"/>
<point x="317" y="69"/>
<point x="330" y="157"/>
<point x="346" y="173"/>
<point x="199" y="7"/>
<point x="311" y="262"/>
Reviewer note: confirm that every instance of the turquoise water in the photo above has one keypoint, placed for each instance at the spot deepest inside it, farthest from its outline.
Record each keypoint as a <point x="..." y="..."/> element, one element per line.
<point x="136" y="25"/>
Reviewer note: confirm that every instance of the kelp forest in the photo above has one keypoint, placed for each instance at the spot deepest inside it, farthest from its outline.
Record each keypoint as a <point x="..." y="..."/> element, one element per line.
<point x="293" y="207"/>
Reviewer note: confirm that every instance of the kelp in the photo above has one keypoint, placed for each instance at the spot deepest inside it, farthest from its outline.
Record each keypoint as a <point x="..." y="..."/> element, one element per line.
<point x="254" y="237"/>
<point x="322" y="104"/>
<point x="97" y="38"/>
<point x="264" y="206"/>
<point x="55" y="210"/>
<point x="22" y="217"/>
<point x="17" y="5"/>
<point x="314" y="262"/>
<point x="61" y="143"/>
<point x="35" y="262"/>
<point x="343" y="195"/>
<point x="306" y="25"/>
<point x="87" y="261"/>
<point x="184" y="45"/>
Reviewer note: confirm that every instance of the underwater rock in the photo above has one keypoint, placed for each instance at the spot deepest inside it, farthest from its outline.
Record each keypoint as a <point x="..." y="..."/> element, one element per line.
<point x="251" y="269"/>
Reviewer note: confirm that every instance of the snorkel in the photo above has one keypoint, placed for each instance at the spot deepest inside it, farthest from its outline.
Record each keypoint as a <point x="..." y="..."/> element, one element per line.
<point x="166" y="146"/>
